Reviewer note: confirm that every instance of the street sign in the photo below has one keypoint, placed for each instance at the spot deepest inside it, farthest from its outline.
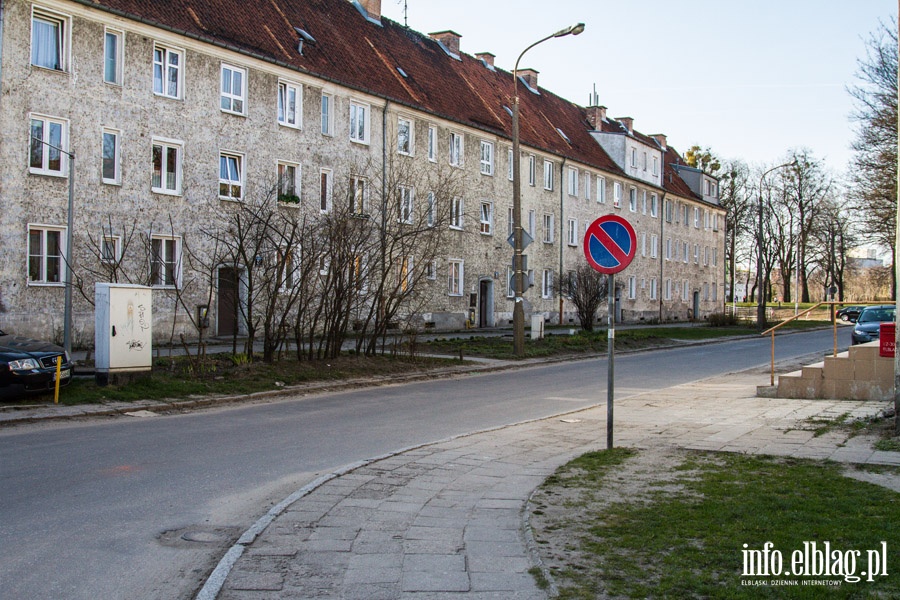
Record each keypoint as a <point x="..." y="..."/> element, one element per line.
<point x="609" y="244"/>
<point x="526" y="239"/>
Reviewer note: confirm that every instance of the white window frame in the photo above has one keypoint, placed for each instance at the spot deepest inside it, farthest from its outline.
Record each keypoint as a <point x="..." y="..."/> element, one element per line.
<point x="326" y="190"/>
<point x="118" y="38"/>
<point x="457" y="213"/>
<point x="233" y="161"/>
<point x="696" y="254"/>
<point x="654" y="245"/>
<point x="431" y="209"/>
<point x="643" y="243"/>
<point x="632" y="287"/>
<point x="359" y="195"/>
<point x="326" y="112"/>
<point x="43" y="257"/>
<point x="285" y="255"/>
<point x="548" y="175"/>
<point x="653" y="288"/>
<point x="165" y="68"/>
<point x="487" y="217"/>
<point x="286" y="187"/>
<point x="432" y="143"/>
<point x="634" y="157"/>
<point x="359" y="122"/>
<point x="654" y="205"/>
<point x="632" y="199"/>
<point x="696" y="217"/>
<point x="685" y="250"/>
<point x="165" y="145"/>
<point x="668" y="290"/>
<point x="643" y="202"/>
<point x="116" y="134"/>
<point x="405" y="273"/>
<point x="282" y="104"/>
<point x="106" y="241"/>
<point x="160" y="279"/>
<point x="572" y="174"/>
<point x="63" y="25"/>
<point x="587" y="185"/>
<point x="572" y="232"/>
<point x="549" y="228"/>
<point x="456" y="147"/>
<point x="617" y="194"/>
<point x="487" y="158"/>
<point x="47" y="151"/>
<point x="233" y="89"/>
<point x="668" y="248"/>
<point x="455" y="277"/>
<point x="509" y="165"/>
<point x="431" y="270"/>
<point x="409" y="148"/>
<point x="405" y="204"/>
<point x="601" y="190"/>
<point x="656" y="165"/>
<point x="532" y="170"/>
<point x="547" y="283"/>
<point x="532" y="222"/>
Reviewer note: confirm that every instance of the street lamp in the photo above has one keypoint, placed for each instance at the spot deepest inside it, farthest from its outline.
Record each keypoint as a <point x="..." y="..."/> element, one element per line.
<point x="761" y="292"/>
<point x="518" y="270"/>
<point x="67" y="309"/>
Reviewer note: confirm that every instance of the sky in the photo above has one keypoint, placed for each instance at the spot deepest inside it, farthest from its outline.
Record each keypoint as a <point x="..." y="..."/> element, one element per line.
<point x="749" y="80"/>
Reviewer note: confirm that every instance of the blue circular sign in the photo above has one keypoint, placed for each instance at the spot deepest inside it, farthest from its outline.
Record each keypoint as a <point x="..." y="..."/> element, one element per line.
<point x="609" y="244"/>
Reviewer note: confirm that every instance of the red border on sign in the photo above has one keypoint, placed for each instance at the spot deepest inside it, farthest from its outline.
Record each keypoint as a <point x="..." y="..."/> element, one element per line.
<point x="614" y="249"/>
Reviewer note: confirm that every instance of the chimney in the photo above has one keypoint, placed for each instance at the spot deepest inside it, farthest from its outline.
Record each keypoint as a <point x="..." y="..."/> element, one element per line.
<point x="628" y="122"/>
<point x="660" y="139"/>
<point x="450" y="40"/>
<point x="372" y="8"/>
<point x="487" y="57"/>
<point x="596" y="115"/>
<point x="530" y="76"/>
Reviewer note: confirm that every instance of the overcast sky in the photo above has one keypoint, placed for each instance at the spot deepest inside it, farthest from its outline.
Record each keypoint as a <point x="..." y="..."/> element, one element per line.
<point x="750" y="80"/>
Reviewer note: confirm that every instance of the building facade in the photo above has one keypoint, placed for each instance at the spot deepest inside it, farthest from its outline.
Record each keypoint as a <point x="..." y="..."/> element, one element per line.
<point x="163" y="116"/>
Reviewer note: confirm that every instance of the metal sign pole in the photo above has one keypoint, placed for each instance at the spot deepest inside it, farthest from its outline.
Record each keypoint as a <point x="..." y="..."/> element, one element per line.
<point x="610" y="355"/>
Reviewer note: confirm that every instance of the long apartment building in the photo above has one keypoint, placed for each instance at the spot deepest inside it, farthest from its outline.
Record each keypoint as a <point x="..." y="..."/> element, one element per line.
<point x="160" y="114"/>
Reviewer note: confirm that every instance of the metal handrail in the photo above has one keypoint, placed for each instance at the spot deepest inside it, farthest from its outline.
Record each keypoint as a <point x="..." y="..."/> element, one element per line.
<point x="805" y="312"/>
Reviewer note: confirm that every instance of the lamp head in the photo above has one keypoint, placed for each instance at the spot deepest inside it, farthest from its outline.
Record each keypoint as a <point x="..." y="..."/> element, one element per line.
<point x="572" y="30"/>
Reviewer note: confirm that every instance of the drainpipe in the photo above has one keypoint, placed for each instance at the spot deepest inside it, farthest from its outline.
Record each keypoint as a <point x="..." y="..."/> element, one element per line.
<point x="562" y="224"/>
<point x="659" y="251"/>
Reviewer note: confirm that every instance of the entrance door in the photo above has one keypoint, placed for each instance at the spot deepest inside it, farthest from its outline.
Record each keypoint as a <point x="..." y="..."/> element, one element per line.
<point x="486" y="301"/>
<point x="227" y="313"/>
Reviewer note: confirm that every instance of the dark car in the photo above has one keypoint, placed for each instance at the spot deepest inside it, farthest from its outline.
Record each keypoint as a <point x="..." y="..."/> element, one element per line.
<point x="28" y="366"/>
<point x="870" y="320"/>
<point x="849" y="313"/>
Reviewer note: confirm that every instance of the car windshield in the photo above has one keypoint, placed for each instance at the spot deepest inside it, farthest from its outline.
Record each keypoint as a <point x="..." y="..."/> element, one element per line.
<point x="876" y="315"/>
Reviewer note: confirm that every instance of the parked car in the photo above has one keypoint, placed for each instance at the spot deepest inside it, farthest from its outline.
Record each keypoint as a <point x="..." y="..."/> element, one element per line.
<point x="870" y="320"/>
<point x="849" y="313"/>
<point x="29" y="366"/>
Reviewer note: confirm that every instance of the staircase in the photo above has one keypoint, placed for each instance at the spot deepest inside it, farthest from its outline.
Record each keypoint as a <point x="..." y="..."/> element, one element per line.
<point x="858" y="374"/>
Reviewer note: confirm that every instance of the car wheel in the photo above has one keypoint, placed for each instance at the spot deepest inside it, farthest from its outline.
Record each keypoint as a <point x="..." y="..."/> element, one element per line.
<point x="845" y="317"/>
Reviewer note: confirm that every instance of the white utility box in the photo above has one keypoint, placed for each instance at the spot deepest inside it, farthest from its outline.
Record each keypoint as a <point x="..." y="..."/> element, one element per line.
<point x="123" y="328"/>
<point x="537" y="327"/>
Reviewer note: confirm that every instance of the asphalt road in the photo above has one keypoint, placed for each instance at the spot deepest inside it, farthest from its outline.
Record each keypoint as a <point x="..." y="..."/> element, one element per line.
<point x="144" y="508"/>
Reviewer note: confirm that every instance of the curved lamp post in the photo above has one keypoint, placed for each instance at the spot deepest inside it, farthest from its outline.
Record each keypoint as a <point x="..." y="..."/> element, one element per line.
<point x="761" y="291"/>
<point x="518" y="270"/>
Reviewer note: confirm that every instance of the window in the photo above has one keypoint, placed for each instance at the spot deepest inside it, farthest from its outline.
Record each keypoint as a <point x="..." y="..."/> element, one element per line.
<point x="234" y="90"/>
<point x="684" y="211"/>
<point x="430" y="208"/>
<point x="405" y="196"/>
<point x="510" y="222"/>
<point x="288" y="182"/>
<point x="685" y="250"/>
<point x="110" y="249"/>
<point x="644" y="202"/>
<point x="654" y="246"/>
<point x="532" y="223"/>
<point x="587" y="186"/>
<point x="432" y="143"/>
<point x="510" y="282"/>
<point x="668" y="211"/>
<point x="166" y="174"/>
<point x="668" y="248"/>
<point x="290" y="104"/>
<point x="327" y="114"/>
<point x="487" y="158"/>
<point x="686" y="290"/>
<point x="49" y="138"/>
<point x="644" y="243"/>
<point x="359" y="122"/>
<point x="532" y="176"/>
<point x="112" y="57"/>
<point x="404" y="136"/>
<point x="696" y="254"/>
<point x="572" y="232"/>
<point x="573" y="181"/>
<point x="456" y="149"/>
<point x="359" y="195"/>
<point x="49" y="40"/>
<point x="632" y="199"/>
<point x="668" y="291"/>
<point x="549" y="233"/>
<point x="456" y="213"/>
<point x="632" y="287"/>
<point x="455" y="277"/>
<point x="634" y="157"/>
<point x="110" y="161"/>
<point x="547" y="284"/>
<point x="706" y="256"/>
<point x="168" y="72"/>
<point x="656" y="165"/>
<point x="715" y="222"/>
<point x="548" y="175"/>
<point x="654" y="205"/>
<point x="286" y="268"/>
<point x="715" y="256"/>
<point x="404" y="273"/>
<point x="601" y="190"/>
<point x="487" y="218"/>
<point x="509" y="166"/>
<point x="431" y="270"/>
<point x="45" y="254"/>
<point x="165" y="263"/>
<point x="325" y="190"/>
<point x="231" y="176"/>
<point x="653" y="288"/>
<point x="696" y="218"/>
<point x="617" y="194"/>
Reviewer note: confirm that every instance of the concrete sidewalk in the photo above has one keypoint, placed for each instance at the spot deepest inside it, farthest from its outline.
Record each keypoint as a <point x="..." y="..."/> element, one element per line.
<point x="446" y="520"/>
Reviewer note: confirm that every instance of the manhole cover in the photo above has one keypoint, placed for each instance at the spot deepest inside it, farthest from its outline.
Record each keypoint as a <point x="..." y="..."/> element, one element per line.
<point x="187" y="537"/>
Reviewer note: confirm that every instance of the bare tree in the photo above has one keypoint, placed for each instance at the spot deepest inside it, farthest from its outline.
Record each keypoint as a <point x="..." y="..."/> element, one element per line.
<point x="736" y="199"/>
<point x="586" y="289"/>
